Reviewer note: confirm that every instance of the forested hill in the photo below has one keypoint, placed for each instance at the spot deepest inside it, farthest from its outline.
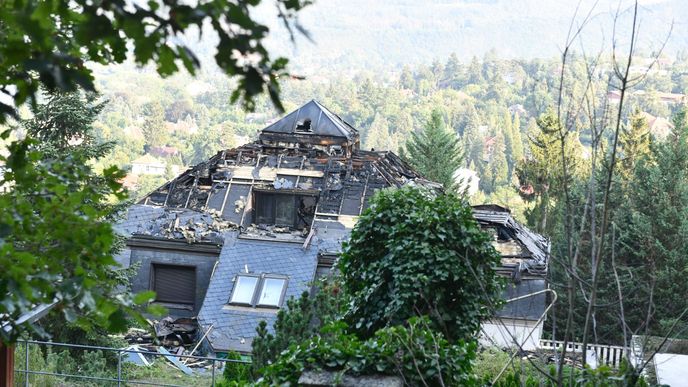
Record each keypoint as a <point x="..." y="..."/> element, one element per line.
<point x="352" y="33"/>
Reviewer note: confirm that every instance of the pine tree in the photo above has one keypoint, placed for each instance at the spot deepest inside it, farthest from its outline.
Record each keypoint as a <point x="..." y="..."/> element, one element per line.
<point x="475" y="72"/>
<point x="653" y="243"/>
<point x="508" y="140"/>
<point x="517" y="140"/>
<point x="498" y="164"/>
<point x="63" y="125"/>
<point x="452" y="72"/>
<point x="435" y="152"/>
<point x="154" y="125"/>
<point x="378" y="137"/>
<point x="541" y="175"/>
<point x="635" y="143"/>
<point x="62" y="128"/>
<point x="406" y="80"/>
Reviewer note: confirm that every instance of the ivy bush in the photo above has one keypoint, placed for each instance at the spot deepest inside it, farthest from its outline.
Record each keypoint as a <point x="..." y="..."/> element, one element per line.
<point x="414" y="253"/>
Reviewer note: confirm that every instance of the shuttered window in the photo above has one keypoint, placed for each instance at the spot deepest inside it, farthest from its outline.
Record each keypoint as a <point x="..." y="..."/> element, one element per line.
<point x="174" y="284"/>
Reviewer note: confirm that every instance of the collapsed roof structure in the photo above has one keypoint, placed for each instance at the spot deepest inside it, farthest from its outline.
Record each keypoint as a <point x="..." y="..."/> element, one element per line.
<point x="232" y="238"/>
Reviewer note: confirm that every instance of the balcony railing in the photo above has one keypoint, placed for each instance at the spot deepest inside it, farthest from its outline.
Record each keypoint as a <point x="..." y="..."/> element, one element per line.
<point x="610" y="355"/>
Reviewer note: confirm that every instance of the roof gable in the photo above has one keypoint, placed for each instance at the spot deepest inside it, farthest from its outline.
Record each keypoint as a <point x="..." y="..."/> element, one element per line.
<point x="313" y="119"/>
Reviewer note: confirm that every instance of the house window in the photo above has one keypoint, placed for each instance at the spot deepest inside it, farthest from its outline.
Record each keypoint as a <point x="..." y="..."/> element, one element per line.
<point x="264" y="291"/>
<point x="278" y="209"/>
<point x="271" y="293"/>
<point x="174" y="284"/>
<point x="283" y="209"/>
<point x="244" y="289"/>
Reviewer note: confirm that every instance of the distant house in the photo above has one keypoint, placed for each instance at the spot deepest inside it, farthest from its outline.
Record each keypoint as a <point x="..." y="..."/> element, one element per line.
<point x="672" y="98"/>
<point x="659" y="127"/>
<point x="489" y="143"/>
<point x="130" y="181"/>
<point x="163" y="151"/>
<point x="518" y="109"/>
<point x="230" y="240"/>
<point x="614" y="96"/>
<point x="148" y="165"/>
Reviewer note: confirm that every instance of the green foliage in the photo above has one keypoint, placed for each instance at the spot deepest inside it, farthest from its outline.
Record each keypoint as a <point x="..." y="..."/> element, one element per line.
<point x="47" y="42"/>
<point x="411" y="254"/>
<point x="153" y="127"/>
<point x="57" y="239"/>
<point x="302" y="319"/>
<point x="602" y="376"/>
<point x="435" y="152"/>
<point x="544" y="174"/>
<point x="652" y="243"/>
<point x="215" y="139"/>
<point x="634" y="141"/>
<point x="63" y="124"/>
<point x="413" y="352"/>
<point x="235" y="373"/>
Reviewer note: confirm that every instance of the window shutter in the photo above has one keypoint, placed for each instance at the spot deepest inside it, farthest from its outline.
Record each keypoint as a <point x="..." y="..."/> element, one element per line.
<point x="174" y="284"/>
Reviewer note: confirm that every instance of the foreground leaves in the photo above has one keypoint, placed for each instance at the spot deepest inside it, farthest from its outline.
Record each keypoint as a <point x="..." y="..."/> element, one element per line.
<point x="48" y="42"/>
<point x="55" y="244"/>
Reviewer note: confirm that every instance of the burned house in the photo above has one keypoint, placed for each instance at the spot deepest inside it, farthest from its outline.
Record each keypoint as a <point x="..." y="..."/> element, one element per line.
<point x="525" y="257"/>
<point x="231" y="239"/>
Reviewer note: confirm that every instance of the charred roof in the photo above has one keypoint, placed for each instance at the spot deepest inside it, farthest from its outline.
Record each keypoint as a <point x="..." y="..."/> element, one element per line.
<point x="324" y="161"/>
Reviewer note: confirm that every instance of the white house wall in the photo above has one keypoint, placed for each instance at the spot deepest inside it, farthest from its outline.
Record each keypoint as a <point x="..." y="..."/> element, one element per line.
<point x="495" y="334"/>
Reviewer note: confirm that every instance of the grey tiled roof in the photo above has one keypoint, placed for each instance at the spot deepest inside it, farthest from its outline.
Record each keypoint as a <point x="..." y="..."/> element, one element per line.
<point x="137" y="217"/>
<point x="232" y="324"/>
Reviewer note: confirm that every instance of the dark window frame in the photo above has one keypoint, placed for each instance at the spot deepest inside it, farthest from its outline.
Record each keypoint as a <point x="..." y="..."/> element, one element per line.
<point x="155" y="266"/>
<point x="267" y="201"/>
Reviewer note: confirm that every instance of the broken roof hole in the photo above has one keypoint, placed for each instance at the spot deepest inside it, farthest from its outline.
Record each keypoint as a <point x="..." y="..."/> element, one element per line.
<point x="304" y="126"/>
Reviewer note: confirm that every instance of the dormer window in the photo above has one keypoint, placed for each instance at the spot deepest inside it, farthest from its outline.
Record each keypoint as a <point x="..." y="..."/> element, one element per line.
<point x="271" y="292"/>
<point x="244" y="289"/>
<point x="264" y="291"/>
<point x="304" y="126"/>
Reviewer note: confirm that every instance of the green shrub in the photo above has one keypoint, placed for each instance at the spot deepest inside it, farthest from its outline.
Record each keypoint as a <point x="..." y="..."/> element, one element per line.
<point x="235" y="374"/>
<point x="415" y="253"/>
<point x="413" y="352"/>
<point x="299" y="321"/>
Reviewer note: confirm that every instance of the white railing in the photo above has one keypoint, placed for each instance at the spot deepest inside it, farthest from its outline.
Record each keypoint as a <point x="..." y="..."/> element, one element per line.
<point x="610" y="355"/>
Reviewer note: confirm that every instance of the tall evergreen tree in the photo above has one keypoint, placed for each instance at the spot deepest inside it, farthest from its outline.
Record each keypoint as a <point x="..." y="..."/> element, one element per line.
<point x="64" y="231"/>
<point x="652" y="237"/>
<point x="541" y="175"/>
<point x="635" y="143"/>
<point x="154" y="125"/>
<point x="499" y="164"/>
<point x="452" y="72"/>
<point x="63" y="125"/>
<point x="517" y="139"/>
<point x="435" y="152"/>
<point x="508" y="137"/>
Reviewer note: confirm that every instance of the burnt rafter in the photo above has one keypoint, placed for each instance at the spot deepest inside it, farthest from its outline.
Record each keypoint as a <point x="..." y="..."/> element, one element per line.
<point x="309" y="150"/>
